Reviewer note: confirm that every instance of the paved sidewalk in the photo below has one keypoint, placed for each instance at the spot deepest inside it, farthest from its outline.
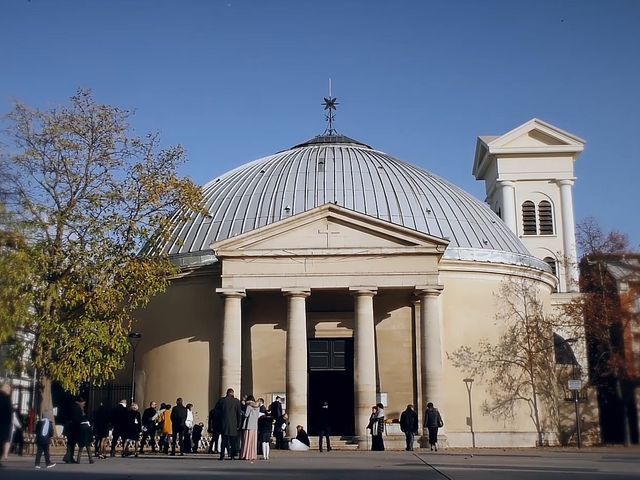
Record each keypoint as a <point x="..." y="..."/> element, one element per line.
<point x="453" y="464"/>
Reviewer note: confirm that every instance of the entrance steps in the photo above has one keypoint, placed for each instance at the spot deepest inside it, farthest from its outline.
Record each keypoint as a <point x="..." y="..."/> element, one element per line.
<point x="391" y="442"/>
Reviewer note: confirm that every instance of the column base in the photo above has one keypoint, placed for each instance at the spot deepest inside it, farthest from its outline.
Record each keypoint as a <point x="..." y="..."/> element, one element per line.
<point x="423" y="441"/>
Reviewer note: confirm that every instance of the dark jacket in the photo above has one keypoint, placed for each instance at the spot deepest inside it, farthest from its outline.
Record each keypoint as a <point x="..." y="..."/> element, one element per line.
<point x="147" y="418"/>
<point x="303" y="437"/>
<point x="134" y="425"/>
<point x="432" y="418"/>
<point x="409" y="421"/>
<point x="43" y="438"/>
<point x="119" y="418"/>
<point x="275" y="410"/>
<point x="178" y="417"/>
<point x="101" y="421"/>
<point x="265" y="422"/>
<point x="230" y="412"/>
<point x="6" y="415"/>
<point x="324" y="419"/>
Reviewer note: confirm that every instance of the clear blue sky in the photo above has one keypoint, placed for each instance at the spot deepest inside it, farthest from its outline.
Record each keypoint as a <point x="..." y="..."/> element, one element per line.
<point x="235" y="80"/>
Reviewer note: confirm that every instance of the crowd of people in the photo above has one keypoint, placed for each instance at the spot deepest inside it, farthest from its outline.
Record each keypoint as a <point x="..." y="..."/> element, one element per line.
<point x="237" y="428"/>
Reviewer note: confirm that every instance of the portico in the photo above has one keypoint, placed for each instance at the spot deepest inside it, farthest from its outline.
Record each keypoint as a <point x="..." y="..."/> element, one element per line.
<point x="331" y="249"/>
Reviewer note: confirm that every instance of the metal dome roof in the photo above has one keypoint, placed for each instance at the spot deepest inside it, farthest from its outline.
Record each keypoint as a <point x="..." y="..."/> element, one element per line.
<point x="337" y="169"/>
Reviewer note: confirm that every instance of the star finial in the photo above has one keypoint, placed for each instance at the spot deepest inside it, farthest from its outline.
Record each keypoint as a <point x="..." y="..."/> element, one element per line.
<point x="330" y="104"/>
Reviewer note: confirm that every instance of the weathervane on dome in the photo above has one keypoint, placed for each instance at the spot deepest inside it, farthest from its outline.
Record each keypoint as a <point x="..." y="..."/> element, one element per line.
<point x="330" y="104"/>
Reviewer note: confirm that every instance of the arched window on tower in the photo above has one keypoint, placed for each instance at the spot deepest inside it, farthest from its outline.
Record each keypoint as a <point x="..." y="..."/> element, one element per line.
<point x="529" y="218"/>
<point x="545" y="218"/>
<point x="552" y="263"/>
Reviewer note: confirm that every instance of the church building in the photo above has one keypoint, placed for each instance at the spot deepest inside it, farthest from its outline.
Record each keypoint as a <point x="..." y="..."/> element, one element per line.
<point x="332" y="271"/>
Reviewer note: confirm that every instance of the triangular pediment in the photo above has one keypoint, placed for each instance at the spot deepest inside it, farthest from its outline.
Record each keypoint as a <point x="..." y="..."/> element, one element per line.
<point x="535" y="133"/>
<point x="531" y="138"/>
<point x="329" y="230"/>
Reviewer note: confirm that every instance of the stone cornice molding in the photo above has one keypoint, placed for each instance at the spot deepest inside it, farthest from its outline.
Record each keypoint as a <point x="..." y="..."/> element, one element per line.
<point x="362" y="291"/>
<point x="429" y="290"/>
<point x="231" y="292"/>
<point x="567" y="181"/>
<point x="296" y="292"/>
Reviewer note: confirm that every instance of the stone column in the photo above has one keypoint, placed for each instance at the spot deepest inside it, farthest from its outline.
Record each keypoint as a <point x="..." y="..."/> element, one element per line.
<point x="569" y="235"/>
<point x="231" y="361"/>
<point x="296" y="377"/>
<point x="431" y="346"/>
<point x="364" y="360"/>
<point x="508" y="193"/>
<point x="417" y="360"/>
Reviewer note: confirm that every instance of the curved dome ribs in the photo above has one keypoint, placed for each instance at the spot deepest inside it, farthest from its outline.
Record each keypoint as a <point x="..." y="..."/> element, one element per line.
<point x="351" y="174"/>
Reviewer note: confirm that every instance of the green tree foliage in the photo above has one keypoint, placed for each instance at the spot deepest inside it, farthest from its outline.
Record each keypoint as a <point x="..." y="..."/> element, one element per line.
<point x="519" y="368"/>
<point x="88" y="196"/>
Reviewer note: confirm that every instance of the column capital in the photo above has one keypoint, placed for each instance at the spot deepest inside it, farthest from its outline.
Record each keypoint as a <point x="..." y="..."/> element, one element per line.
<point x="231" y="292"/>
<point x="363" y="291"/>
<point x="506" y="183"/>
<point x="429" y="290"/>
<point x="296" y="292"/>
<point x="567" y="181"/>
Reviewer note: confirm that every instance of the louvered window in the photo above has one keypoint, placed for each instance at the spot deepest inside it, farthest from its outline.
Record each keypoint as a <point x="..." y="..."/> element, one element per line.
<point x="552" y="263"/>
<point x="545" y="218"/>
<point x="529" y="218"/>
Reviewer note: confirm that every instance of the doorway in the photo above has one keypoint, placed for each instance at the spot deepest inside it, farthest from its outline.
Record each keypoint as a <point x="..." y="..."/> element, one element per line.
<point x="331" y="380"/>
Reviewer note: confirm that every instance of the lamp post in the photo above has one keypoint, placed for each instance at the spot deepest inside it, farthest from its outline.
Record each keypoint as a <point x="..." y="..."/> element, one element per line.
<point x="134" y="339"/>
<point x="468" y="382"/>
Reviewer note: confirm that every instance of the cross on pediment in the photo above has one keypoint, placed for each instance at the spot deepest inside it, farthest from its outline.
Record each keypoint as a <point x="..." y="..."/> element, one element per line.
<point x="328" y="233"/>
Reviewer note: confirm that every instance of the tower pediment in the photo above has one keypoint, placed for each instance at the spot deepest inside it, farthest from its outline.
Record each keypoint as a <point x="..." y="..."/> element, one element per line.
<point x="535" y="137"/>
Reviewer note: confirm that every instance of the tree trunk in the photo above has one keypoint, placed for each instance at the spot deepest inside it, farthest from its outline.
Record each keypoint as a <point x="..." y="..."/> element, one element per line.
<point x="46" y="402"/>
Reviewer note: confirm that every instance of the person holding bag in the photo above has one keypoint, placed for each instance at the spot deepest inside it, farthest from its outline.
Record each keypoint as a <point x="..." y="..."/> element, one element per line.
<point x="433" y="421"/>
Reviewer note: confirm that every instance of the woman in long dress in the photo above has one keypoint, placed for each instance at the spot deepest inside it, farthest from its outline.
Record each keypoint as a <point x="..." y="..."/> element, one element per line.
<point x="250" y="426"/>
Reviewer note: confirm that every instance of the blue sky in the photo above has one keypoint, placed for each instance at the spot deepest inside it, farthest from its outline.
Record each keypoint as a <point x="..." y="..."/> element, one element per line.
<point x="235" y="80"/>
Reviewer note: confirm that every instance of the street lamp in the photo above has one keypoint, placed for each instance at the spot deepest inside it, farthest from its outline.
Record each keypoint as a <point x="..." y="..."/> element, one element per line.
<point x="134" y="339"/>
<point x="468" y="382"/>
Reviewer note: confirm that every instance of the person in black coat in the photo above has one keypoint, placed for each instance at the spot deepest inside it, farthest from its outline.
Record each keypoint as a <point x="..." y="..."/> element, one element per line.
<point x="275" y="412"/>
<point x="119" y="419"/>
<point x="134" y="427"/>
<point x="265" y="424"/>
<point x="213" y="428"/>
<point x="73" y="429"/>
<point x="6" y="420"/>
<point x="230" y="412"/>
<point x="44" y="432"/>
<point x="324" y="425"/>
<point x="432" y="422"/>
<point x="84" y="436"/>
<point x="149" y="426"/>
<point x="178" y="419"/>
<point x="101" y="430"/>
<point x="196" y="436"/>
<point x="409" y="425"/>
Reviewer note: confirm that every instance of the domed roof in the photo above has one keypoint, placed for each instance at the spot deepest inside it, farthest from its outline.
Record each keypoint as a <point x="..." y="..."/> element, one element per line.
<point x="337" y="169"/>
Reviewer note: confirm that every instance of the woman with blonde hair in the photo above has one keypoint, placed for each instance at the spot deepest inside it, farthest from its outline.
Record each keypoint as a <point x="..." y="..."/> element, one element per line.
<point x="250" y="429"/>
<point x="134" y="427"/>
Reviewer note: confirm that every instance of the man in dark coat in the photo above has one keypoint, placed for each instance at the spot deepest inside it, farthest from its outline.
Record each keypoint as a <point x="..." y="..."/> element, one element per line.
<point x="149" y="425"/>
<point x="230" y="413"/>
<point x="324" y="425"/>
<point x="409" y="425"/>
<point x="178" y="419"/>
<point x="119" y="421"/>
<point x="73" y="429"/>
<point x="214" y="429"/>
<point x="101" y="430"/>
<point x="275" y="412"/>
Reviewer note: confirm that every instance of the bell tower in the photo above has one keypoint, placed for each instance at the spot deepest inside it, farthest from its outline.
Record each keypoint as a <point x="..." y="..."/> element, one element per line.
<point x="529" y="175"/>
